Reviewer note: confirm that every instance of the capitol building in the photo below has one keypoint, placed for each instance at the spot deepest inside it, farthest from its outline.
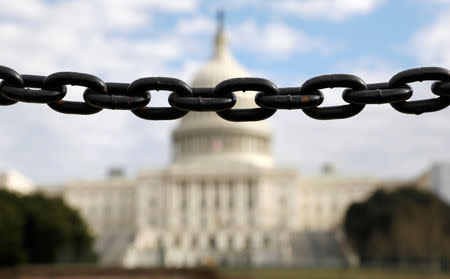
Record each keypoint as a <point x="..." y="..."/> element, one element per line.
<point x="222" y="200"/>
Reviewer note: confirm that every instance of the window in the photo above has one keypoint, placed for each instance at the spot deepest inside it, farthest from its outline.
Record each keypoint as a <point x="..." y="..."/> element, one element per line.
<point x="159" y="243"/>
<point x="194" y="242"/>
<point x="183" y="185"/>
<point x="177" y="150"/>
<point x="176" y="242"/>
<point x="266" y="242"/>
<point x="231" y="189"/>
<point x="217" y="194"/>
<point x="230" y="243"/>
<point x="203" y="194"/>
<point x="212" y="242"/>
<point x="251" y="193"/>
<point x="247" y="243"/>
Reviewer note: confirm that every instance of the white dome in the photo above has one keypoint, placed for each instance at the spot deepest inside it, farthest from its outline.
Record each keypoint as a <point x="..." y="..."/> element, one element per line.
<point x="205" y="136"/>
<point x="221" y="66"/>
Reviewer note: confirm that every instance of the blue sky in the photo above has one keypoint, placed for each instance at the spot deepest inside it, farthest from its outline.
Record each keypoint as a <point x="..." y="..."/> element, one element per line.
<point x="284" y="41"/>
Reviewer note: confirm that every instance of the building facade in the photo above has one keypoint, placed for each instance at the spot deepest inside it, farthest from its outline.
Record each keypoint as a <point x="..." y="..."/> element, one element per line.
<point x="437" y="180"/>
<point x="440" y="180"/>
<point x="13" y="180"/>
<point x="222" y="200"/>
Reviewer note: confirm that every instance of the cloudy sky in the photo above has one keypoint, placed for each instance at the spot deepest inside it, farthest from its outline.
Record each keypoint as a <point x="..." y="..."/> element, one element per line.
<point x="285" y="41"/>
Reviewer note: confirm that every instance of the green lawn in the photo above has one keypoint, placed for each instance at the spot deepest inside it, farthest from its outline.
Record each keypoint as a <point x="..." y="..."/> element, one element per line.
<point x="327" y="274"/>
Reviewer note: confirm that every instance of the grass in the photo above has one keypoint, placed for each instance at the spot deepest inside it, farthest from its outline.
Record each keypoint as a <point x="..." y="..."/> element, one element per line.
<point x="328" y="274"/>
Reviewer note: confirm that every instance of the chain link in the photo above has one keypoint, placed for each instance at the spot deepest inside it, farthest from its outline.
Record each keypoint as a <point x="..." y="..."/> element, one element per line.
<point x="421" y="74"/>
<point x="136" y="96"/>
<point x="377" y="93"/>
<point x="10" y="78"/>
<point x="289" y="98"/>
<point x="331" y="81"/>
<point x="38" y="96"/>
<point x="143" y="85"/>
<point x="203" y="99"/>
<point x="116" y="97"/>
<point x="56" y="80"/>
<point x="227" y="87"/>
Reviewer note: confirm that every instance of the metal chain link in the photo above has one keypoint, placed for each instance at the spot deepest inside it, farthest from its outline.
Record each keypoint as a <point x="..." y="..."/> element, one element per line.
<point x="136" y="96"/>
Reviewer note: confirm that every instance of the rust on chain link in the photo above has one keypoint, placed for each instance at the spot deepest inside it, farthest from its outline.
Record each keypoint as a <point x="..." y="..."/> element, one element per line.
<point x="136" y="96"/>
<point x="227" y="87"/>
<point x="116" y="97"/>
<point x="289" y="98"/>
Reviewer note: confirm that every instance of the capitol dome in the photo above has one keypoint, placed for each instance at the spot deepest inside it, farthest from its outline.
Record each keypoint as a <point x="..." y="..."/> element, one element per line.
<point x="205" y="137"/>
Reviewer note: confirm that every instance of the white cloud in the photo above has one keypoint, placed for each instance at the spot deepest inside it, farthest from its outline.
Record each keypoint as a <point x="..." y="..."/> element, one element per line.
<point x="431" y="44"/>
<point x="106" y="13"/>
<point x="334" y="10"/>
<point x="28" y="9"/>
<point x="195" y="25"/>
<point x="275" y="39"/>
<point x="329" y="10"/>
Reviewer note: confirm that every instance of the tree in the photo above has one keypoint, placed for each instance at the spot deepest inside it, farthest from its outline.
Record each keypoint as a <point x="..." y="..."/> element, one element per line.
<point x="38" y="229"/>
<point x="11" y="231"/>
<point x="404" y="225"/>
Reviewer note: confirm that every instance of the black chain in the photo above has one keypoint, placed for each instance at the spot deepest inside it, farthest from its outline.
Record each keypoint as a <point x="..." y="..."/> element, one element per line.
<point x="331" y="81"/>
<point x="136" y="96"/>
